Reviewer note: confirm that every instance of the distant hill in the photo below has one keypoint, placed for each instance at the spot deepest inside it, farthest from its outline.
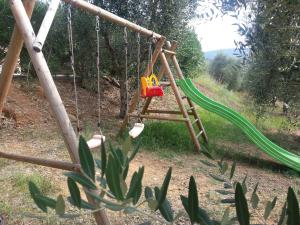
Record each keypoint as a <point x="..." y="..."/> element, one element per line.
<point x="211" y="54"/>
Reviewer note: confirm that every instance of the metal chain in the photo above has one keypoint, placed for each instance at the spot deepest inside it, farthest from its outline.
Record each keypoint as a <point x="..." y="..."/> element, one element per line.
<point x="126" y="66"/>
<point x="71" y="46"/>
<point x="150" y="55"/>
<point x="97" y="29"/>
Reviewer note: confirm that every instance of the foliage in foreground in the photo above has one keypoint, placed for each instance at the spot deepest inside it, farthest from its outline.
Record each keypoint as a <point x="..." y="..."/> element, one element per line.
<point x="104" y="180"/>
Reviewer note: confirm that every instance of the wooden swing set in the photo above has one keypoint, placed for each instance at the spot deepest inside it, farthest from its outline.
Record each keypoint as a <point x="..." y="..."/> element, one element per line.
<point x="164" y="50"/>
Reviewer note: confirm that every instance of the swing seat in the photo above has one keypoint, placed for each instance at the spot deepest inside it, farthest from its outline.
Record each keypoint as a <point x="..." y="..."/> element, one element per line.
<point x="155" y="91"/>
<point x="136" y="130"/>
<point x="150" y="87"/>
<point x="96" y="141"/>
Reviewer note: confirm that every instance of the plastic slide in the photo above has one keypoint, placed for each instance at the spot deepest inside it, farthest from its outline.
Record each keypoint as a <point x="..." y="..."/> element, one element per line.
<point x="289" y="159"/>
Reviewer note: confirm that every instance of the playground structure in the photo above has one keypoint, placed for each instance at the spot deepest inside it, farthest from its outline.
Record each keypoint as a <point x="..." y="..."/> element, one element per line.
<point x="23" y="31"/>
<point x="164" y="50"/>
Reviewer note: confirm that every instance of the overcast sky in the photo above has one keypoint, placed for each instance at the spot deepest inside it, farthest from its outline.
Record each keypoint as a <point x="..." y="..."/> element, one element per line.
<point x="217" y="34"/>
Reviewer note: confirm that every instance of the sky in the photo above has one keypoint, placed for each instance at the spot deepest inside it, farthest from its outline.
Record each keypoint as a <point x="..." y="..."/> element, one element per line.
<point x="217" y="34"/>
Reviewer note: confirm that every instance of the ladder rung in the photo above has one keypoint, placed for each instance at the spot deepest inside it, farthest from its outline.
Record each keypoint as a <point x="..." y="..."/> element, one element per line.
<point x="169" y="52"/>
<point x="164" y="83"/>
<point x="201" y="132"/>
<point x="183" y="97"/>
<point x="195" y="121"/>
<point x="190" y="109"/>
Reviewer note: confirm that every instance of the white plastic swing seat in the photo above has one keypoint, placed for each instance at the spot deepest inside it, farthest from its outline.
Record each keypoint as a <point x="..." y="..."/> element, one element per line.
<point x="96" y="141"/>
<point x="136" y="130"/>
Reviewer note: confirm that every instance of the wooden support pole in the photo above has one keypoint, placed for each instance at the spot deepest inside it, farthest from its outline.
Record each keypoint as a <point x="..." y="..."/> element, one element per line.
<point x="198" y="120"/>
<point x="51" y="92"/>
<point x="97" y="11"/>
<point x="135" y="97"/>
<point x="42" y="162"/>
<point x="155" y="117"/>
<point x="165" y="63"/>
<point x="46" y="25"/>
<point x="12" y="56"/>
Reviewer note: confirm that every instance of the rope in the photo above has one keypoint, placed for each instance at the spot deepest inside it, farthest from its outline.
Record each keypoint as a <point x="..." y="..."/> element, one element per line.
<point x="126" y="66"/>
<point x="138" y="71"/>
<point x="71" y="46"/>
<point x="97" y="28"/>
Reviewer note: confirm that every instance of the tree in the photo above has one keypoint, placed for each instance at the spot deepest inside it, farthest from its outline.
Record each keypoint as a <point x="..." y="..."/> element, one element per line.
<point x="225" y="70"/>
<point x="270" y="47"/>
<point x="275" y="57"/>
<point x="190" y="55"/>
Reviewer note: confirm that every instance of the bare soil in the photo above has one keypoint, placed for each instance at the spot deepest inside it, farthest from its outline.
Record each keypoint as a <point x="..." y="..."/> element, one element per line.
<point x="35" y="133"/>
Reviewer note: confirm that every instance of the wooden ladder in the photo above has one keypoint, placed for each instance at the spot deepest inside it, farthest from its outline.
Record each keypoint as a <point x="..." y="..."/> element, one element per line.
<point x="195" y="126"/>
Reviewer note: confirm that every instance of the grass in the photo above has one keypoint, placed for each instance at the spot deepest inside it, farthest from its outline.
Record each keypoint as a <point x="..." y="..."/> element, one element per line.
<point x="159" y="136"/>
<point x="5" y="209"/>
<point x="21" y="180"/>
<point x="3" y="163"/>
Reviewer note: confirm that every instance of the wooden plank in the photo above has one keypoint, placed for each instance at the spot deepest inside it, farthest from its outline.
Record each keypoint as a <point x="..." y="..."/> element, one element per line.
<point x="45" y="26"/>
<point x="195" y="121"/>
<point x="12" y="56"/>
<point x="155" y="117"/>
<point x="198" y="135"/>
<point x="95" y="10"/>
<point x="164" y="61"/>
<point x="169" y="52"/>
<point x="42" y="162"/>
<point x="166" y="111"/>
<point x="52" y="95"/>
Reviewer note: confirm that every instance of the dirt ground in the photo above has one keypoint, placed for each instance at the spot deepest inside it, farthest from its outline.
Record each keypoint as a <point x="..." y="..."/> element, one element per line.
<point x="35" y="133"/>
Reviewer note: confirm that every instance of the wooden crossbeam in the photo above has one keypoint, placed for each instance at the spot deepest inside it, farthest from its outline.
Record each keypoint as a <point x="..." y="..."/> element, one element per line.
<point x="42" y="162"/>
<point x="165" y="111"/>
<point x="97" y="11"/>
<point x="45" y="26"/>
<point x="156" y="117"/>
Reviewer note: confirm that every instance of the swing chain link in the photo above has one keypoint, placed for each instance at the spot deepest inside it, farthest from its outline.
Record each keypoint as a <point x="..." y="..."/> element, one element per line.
<point x="97" y="29"/>
<point x="126" y="66"/>
<point x="150" y="54"/>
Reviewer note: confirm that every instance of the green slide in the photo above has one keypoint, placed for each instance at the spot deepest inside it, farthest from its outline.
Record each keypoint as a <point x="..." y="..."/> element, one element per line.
<point x="289" y="159"/>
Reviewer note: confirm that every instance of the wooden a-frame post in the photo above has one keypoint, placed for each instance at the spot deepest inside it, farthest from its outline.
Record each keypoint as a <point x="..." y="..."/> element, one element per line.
<point x="12" y="56"/>
<point x="51" y="92"/>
